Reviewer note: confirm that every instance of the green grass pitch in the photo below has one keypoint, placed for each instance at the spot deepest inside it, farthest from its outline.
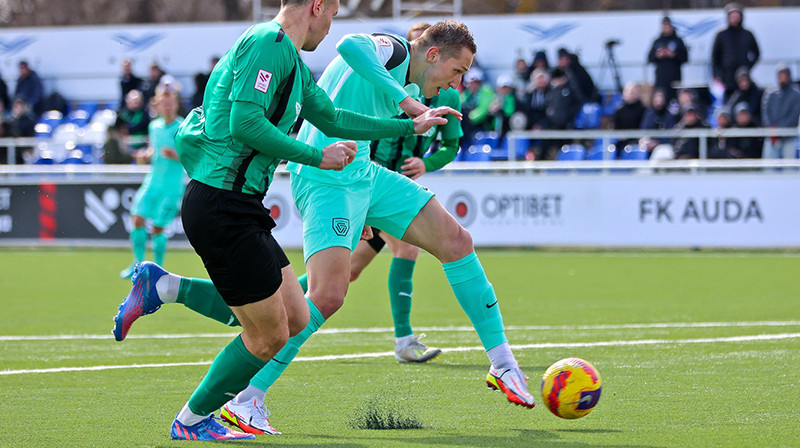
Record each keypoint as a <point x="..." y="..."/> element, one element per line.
<point x="734" y="383"/>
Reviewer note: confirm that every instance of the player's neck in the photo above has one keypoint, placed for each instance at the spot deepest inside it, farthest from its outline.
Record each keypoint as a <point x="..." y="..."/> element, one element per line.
<point x="294" y="23"/>
<point x="169" y="118"/>
<point x="417" y="65"/>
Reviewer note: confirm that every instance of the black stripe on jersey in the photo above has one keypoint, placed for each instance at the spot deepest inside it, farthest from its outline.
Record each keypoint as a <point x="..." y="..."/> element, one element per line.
<point x="399" y="52"/>
<point x="238" y="182"/>
<point x="281" y="33"/>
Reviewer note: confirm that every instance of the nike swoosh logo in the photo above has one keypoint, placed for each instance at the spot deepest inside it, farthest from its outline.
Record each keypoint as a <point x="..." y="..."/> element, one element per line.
<point x="404" y="294"/>
<point x="493" y="304"/>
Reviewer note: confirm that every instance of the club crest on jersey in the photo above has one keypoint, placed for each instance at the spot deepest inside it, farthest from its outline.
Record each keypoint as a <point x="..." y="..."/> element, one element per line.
<point x="383" y="41"/>
<point x="341" y="226"/>
<point x="262" y="80"/>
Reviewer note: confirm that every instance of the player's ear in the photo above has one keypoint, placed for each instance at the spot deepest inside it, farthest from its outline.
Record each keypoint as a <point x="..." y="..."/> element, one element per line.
<point x="317" y="6"/>
<point x="433" y="54"/>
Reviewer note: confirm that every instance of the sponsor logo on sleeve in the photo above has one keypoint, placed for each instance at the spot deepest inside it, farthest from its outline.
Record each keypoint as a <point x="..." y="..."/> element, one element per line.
<point x="262" y="80"/>
<point x="383" y="41"/>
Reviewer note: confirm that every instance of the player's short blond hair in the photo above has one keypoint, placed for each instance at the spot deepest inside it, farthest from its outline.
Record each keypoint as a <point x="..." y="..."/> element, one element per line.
<point x="450" y="36"/>
<point x="421" y="27"/>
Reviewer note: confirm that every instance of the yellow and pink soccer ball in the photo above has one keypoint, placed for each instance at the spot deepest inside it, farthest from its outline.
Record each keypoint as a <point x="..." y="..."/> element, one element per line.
<point x="571" y="388"/>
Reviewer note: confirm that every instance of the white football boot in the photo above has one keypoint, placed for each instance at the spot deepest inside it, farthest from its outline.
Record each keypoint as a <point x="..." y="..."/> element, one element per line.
<point x="251" y="417"/>
<point x="513" y="383"/>
<point x="412" y="350"/>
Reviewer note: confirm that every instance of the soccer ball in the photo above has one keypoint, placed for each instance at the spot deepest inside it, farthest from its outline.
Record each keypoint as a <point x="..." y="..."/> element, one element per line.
<point x="571" y="388"/>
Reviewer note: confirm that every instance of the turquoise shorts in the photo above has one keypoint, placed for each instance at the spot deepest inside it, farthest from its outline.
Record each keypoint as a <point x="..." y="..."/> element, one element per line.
<point x="334" y="215"/>
<point x="159" y="206"/>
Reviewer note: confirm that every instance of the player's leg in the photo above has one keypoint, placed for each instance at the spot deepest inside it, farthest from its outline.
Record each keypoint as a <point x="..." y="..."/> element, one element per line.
<point x="167" y="211"/>
<point x="362" y="256"/>
<point x="407" y="346"/>
<point x="141" y="208"/>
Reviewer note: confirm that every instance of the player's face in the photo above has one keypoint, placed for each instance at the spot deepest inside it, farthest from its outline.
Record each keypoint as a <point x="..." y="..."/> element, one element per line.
<point x="167" y="104"/>
<point x="445" y="72"/>
<point x="321" y="24"/>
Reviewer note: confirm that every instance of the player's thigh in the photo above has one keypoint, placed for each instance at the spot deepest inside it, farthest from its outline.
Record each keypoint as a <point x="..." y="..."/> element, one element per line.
<point x="361" y="257"/>
<point x="333" y="215"/>
<point x="294" y="301"/>
<point x="167" y="209"/>
<point x="264" y="325"/>
<point x="328" y="278"/>
<point x="401" y="249"/>
<point x="395" y="201"/>
<point x="436" y="231"/>
<point x="145" y="202"/>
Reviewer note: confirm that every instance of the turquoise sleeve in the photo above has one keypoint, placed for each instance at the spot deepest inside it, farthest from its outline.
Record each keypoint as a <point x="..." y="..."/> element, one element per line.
<point x="358" y="51"/>
<point x="446" y="154"/>
<point x="249" y="126"/>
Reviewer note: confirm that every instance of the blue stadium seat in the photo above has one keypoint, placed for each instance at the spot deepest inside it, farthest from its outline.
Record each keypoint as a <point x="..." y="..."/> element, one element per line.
<point x="589" y="116"/>
<point x="634" y="152"/>
<point x="52" y="118"/>
<point x="521" y="145"/>
<point x="597" y="151"/>
<point x="485" y="138"/>
<point x="43" y="130"/>
<point x="89" y="106"/>
<point x="478" y="153"/>
<point x="79" y="117"/>
<point x="571" y="153"/>
<point x="44" y="160"/>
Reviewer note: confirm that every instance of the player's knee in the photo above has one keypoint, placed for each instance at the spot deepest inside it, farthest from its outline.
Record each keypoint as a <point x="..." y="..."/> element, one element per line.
<point x="328" y="302"/>
<point x="267" y="344"/>
<point x="457" y="245"/>
<point x="297" y="322"/>
<point x="407" y="251"/>
<point x="137" y="221"/>
<point x="354" y="274"/>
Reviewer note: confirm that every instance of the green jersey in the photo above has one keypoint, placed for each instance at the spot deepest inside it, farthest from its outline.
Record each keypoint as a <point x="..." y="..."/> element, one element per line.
<point x="393" y="152"/>
<point x="368" y="77"/>
<point x="166" y="174"/>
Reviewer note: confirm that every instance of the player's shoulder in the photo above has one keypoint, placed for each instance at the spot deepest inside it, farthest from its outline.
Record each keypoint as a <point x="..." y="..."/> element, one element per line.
<point x="268" y="36"/>
<point x="156" y="123"/>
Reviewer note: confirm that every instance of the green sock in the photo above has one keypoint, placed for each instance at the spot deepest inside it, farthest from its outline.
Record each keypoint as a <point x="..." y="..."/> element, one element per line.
<point x="201" y="295"/>
<point x="303" y="279"/>
<point x="401" y="272"/>
<point x="230" y="372"/>
<point x="275" y="367"/>
<point x="476" y="296"/>
<point x="138" y="243"/>
<point x="159" y="248"/>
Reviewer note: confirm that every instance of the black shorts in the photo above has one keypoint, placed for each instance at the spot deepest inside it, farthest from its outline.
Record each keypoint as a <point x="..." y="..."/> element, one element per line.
<point x="376" y="242"/>
<point x="232" y="234"/>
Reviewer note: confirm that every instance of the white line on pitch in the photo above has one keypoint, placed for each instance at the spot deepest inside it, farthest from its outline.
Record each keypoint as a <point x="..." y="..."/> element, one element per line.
<point x="788" y="323"/>
<point x="760" y="337"/>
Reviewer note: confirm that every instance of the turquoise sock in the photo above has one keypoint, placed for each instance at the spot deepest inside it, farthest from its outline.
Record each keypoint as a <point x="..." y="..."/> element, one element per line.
<point x="159" y="248"/>
<point x="275" y="367"/>
<point x="303" y="279"/>
<point x="401" y="273"/>
<point x="476" y="296"/>
<point x="202" y="296"/>
<point x="227" y="376"/>
<point x="138" y="243"/>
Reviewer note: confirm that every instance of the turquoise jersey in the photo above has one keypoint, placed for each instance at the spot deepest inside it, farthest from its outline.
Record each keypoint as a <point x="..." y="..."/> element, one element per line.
<point x="367" y="77"/>
<point x="166" y="175"/>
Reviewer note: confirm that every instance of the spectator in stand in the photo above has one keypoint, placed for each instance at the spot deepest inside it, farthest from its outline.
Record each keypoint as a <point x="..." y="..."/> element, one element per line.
<point x="686" y="98"/>
<point x="734" y="47"/>
<point x="503" y="106"/>
<point x="475" y="102"/>
<point x="563" y="104"/>
<point x="522" y="73"/>
<point x="630" y="113"/>
<point x="689" y="147"/>
<point x="745" y="147"/>
<point x="4" y="133"/>
<point x="148" y="86"/>
<point x="657" y="117"/>
<point x="719" y="148"/>
<point x="5" y="101"/>
<point x="748" y="92"/>
<point x="21" y="124"/>
<point x="578" y="76"/>
<point x="128" y="81"/>
<point x="781" y="109"/>
<point x="535" y="103"/>
<point x="137" y="118"/>
<point x="200" y="81"/>
<point x="29" y="88"/>
<point x="668" y="54"/>
<point x="540" y="61"/>
<point x="115" y="149"/>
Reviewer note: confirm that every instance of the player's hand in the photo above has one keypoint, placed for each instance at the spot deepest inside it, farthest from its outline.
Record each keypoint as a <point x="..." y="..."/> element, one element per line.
<point x="433" y="117"/>
<point x="412" y="107"/>
<point x="169" y="153"/>
<point x="413" y="168"/>
<point x="366" y="234"/>
<point x="337" y="155"/>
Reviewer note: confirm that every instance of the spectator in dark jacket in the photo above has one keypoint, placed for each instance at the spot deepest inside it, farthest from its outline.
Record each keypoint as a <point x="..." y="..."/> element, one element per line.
<point x="29" y="88"/>
<point x="578" y="76"/>
<point x="535" y="103"/>
<point x="629" y="115"/>
<point x="734" y="47"/>
<point x="563" y="102"/>
<point x="745" y="147"/>
<point x="658" y="117"/>
<point x="668" y="54"/>
<point x="719" y="146"/>
<point x="128" y="81"/>
<point x="21" y="124"/>
<point x="5" y="101"/>
<point x="689" y="147"/>
<point x="134" y="114"/>
<point x="781" y="108"/>
<point x="200" y="82"/>
<point x="148" y="86"/>
<point x="746" y="92"/>
<point x="540" y="61"/>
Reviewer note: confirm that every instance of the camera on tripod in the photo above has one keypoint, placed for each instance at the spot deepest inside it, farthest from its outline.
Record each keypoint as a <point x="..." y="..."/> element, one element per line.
<point x="611" y="43"/>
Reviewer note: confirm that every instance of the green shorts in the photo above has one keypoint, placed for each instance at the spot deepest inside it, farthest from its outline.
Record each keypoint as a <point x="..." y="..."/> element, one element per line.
<point x="158" y="205"/>
<point x="334" y="215"/>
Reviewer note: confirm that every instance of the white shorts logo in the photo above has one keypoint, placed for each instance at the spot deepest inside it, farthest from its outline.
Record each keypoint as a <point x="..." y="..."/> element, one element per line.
<point x="383" y="41"/>
<point x="262" y="80"/>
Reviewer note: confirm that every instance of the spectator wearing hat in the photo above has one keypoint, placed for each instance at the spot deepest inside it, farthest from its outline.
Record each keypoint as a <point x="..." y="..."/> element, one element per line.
<point x="668" y="53"/>
<point x="658" y="117"/>
<point x="748" y="92"/>
<point x="689" y="147"/>
<point x="522" y="73"/>
<point x="504" y="105"/>
<point x="582" y="83"/>
<point x="780" y="108"/>
<point x="734" y="47"/>
<point x="535" y="103"/>
<point x="29" y="88"/>
<point x="475" y="101"/>
<point x="630" y="113"/>
<point x="719" y="147"/>
<point x="540" y="61"/>
<point x="745" y="147"/>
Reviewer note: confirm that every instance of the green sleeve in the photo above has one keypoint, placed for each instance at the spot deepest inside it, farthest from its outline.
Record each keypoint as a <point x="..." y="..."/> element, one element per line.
<point x="318" y="109"/>
<point x="446" y="154"/>
<point x="509" y="105"/>
<point x="259" y="65"/>
<point x="481" y="111"/>
<point x="249" y="126"/>
<point x="359" y="52"/>
<point x="451" y="130"/>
